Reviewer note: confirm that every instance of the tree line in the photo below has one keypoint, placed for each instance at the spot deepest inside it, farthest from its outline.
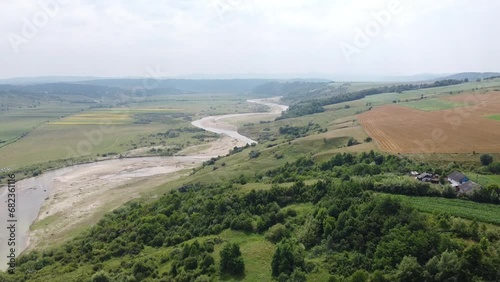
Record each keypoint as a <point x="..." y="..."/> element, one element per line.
<point x="308" y="106"/>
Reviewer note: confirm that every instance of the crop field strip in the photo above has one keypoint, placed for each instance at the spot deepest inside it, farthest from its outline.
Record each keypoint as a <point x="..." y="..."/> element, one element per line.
<point x="109" y="116"/>
<point x="433" y="104"/>
<point x="487" y="213"/>
<point x="494" y="117"/>
<point x="18" y="122"/>
<point x="398" y="129"/>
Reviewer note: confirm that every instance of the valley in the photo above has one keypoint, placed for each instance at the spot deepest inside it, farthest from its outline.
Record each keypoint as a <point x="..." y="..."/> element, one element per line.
<point x="79" y="195"/>
<point x="150" y="178"/>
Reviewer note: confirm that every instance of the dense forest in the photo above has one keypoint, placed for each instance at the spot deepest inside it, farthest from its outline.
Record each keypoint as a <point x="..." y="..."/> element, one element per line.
<point x="355" y="230"/>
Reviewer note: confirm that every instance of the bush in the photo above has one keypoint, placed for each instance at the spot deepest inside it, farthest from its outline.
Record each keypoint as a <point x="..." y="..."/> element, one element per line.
<point x="231" y="261"/>
<point x="360" y="275"/>
<point x="190" y="263"/>
<point x="410" y="270"/>
<point x="144" y="268"/>
<point x="298" y="276"/>
<point x="486" y="159"/>
<point x="208" y="261"/>
<point x="101" y="276"/>
<point x="243" y="223"/>
<point x="254" y="154"/>
<point x="288" y="256"/>
<point x="494" y="168"/>
<point x="277" y="232"/>
<point x="352" y="142"/>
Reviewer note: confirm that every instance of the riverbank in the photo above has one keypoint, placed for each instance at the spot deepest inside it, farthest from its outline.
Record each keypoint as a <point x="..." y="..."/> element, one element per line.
<point x="65" y="201"/>
<point x="227" y="124"/>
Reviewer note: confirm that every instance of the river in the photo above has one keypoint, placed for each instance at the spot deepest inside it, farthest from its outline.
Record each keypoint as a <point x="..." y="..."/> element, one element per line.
<point x="73" y="191"/>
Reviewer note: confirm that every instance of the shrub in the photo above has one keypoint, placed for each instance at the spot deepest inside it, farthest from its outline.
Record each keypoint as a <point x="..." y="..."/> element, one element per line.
<point x="494" y="168"/>
<point x="101" y="276"/>
<point x="352" y="142"/>
<point x="486" y="159"/>
<point x="277" y="232"/>
<point x="254" y="154"/>
<point x="288" y="256"/>
<point x="190" y="263"/>
<point x="231" y="261"/>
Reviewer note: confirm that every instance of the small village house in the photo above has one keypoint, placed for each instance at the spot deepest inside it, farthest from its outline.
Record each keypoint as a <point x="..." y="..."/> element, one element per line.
<point x="456" y="178"/>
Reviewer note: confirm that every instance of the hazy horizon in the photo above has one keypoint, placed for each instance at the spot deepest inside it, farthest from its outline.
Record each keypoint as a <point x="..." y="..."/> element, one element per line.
<point x="317" y="38"/>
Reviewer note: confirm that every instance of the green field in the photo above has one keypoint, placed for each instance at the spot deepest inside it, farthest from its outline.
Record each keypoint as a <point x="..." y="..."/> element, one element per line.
<point x="61" y="131"/>
<point x="487" y="213"/>
<point x="479" y="86"/>
<point x="495" y="117"/>
<point x="387" y="98"/>
<point x="484" y="180"/>
<point x="432" y="104"/>
<point x="257" y="252"/>
<point x="19" y="121"/>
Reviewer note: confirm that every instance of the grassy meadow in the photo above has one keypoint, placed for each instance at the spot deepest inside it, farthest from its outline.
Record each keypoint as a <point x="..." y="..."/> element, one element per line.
<point x="61" y="131"/>
<point x="432" y="105"/>
<point x="20" y="121"/>
<point x="484" y="180"/>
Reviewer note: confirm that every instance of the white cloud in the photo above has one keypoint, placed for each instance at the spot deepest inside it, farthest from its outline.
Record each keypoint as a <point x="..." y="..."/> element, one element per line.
<point x="115" y="38"/>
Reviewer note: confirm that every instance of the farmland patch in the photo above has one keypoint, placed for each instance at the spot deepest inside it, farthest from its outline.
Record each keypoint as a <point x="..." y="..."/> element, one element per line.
<point x="398" y="129"/>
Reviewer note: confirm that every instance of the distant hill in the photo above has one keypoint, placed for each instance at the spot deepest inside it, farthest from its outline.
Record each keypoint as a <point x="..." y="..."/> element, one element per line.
<point x="46" y="79"/>
<point x="413" y="78"/>
<point x="162" y="85"/>
<point x="472" y="76"/>
<point x="133" y="86"/>
<point x="183" y="85"/>
<point x="93" y="91"/>
<point x="282" y="88"/>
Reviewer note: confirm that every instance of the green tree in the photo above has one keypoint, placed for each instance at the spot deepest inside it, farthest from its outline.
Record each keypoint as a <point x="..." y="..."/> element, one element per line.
<point x="378" y="276"/>
<point x="231" y="261"/>
<point x="208" y="261"/>
<point x="486" y="159"/>
<point x="202" y="278"/>
<point x="379" y="159"/>
<point x="190" y="263"/>
<point x="474" y="230"/>
<point x="277" y="232"/>
<point x="101" y="276"/>
<point x="409" y="270"/>
<point x="144" y="268"/>
<point x="360" y="275"/>
<point x="298" y="276"/>
<point x="288" y="256"/>
<point x="472" y="260"/>
<point x="448" y="267"/>
<point x="309" y="233"/>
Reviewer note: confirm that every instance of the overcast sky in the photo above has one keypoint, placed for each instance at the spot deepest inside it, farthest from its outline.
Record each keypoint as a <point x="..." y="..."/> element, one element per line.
<point x="181" y="37"/>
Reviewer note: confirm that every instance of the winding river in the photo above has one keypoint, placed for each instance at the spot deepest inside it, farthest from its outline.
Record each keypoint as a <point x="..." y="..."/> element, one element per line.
<point x="33" y="194"/>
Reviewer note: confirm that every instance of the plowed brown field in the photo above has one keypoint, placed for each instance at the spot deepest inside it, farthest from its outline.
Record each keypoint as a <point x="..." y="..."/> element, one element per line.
<point x="399" y="129"/>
